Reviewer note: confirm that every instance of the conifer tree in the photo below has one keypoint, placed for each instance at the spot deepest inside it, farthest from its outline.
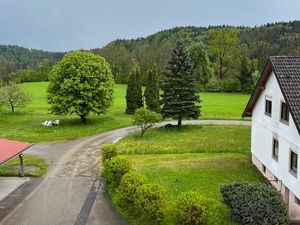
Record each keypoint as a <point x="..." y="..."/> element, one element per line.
<point x="134" y="98"/>
<point x="152" y="90"/>
<point x="179" y="87"/>
<point x="245" y="76"/>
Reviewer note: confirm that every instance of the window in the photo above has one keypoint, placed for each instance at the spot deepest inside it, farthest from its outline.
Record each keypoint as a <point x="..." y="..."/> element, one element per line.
<point x="268" y="109"/>
<point x="264" y="168"/>
<point x="293" y="162"/>
<point x="275" y="149"/>
<point x="297" y="201"/>
<point x="284" y="115"/>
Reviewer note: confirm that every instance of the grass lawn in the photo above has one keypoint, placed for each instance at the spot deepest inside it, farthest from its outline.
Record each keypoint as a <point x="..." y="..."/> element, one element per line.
<point x="189" y="139"/>
<point x="29" y="160"/>
<point x="25" y="123"/>
<point x="195" y="158"/>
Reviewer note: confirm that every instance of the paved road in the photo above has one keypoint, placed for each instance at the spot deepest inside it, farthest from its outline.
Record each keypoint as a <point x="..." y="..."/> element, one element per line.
<point x="72" y="192"/>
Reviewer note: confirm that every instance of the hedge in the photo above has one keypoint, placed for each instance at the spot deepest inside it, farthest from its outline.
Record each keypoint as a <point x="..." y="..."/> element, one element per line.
<point x="257" y="204"/>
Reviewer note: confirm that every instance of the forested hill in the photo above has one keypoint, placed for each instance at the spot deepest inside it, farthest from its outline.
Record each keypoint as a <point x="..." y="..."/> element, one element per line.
<point x="255" y="44"/>
<point x="25" y="58"/>
<point x="222" y="56"/>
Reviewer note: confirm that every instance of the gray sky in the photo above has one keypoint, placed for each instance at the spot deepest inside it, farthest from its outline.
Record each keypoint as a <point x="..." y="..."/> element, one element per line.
<point x="60" y="25"/>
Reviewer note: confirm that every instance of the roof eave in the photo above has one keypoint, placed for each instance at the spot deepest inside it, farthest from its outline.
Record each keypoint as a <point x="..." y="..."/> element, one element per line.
<point x="260" y="86"/>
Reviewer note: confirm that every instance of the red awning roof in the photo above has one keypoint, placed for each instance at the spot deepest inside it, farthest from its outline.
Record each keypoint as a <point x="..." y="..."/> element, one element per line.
<point x="9" y="149"/>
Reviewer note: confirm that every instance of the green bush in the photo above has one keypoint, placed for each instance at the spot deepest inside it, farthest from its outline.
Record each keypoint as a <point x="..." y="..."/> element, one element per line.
<point x="145" y="119"/>
<point x="231" y="85"/>
<point x="257" y="204"/>
<point x="150" y="204"/>
<point x="126" y="192"/>
<point x="108" y="152"/>
<point x="114" y="170"/>
<point x="193" y="209"/>
<point x="214" y="84"/>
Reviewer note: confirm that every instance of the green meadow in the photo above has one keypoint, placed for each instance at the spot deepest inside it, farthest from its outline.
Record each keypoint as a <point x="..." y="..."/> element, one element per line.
<point x="26" y="123"/>
<point x="193" y="158"/>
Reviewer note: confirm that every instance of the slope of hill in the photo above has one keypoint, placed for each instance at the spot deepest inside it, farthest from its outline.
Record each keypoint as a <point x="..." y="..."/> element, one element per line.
<point x="260" y="42"/>
<point x="25" y="58"/>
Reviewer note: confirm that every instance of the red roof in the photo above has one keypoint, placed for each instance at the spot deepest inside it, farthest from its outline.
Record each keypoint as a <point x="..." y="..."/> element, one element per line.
<point x="9" y="149"/>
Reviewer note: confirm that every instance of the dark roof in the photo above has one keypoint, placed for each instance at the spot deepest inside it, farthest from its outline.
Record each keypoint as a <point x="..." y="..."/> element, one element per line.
<point x="287" y="73"/>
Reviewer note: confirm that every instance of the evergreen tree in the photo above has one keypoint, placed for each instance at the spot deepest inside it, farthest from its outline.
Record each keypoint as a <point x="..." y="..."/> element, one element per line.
<point x="134" y="98"/>
<point x="152" y="90"/>
<point x="245" y="76"/>
<point x="180" y="96"/>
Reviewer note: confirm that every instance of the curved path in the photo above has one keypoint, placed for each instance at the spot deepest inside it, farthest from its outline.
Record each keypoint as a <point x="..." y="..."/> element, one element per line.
<point x="72" y="192"/>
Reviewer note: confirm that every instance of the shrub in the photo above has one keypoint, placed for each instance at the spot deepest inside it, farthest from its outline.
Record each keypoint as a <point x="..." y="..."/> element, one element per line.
<point x="145" y="119"/>
<point x="149" y="203"/>
<point x="126" y="192"/>
<point x="114" y="170"/>
<point x="214" y="84"/>
<point x="108" y="152"/>
<point x="255" y="204"/>
<point x="231" y="85"/>
<point x="193" y="209"/>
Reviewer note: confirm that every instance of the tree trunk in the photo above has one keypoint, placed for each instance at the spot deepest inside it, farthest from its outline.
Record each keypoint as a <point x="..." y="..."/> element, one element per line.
<point x="82" y="119"/>
<point x="12" y="108"/>
<point x="179" y="122"/>
<point x="221" y="68"/>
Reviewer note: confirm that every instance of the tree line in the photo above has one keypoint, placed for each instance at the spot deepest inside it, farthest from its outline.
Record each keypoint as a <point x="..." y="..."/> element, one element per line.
<point x="225" y="58"/>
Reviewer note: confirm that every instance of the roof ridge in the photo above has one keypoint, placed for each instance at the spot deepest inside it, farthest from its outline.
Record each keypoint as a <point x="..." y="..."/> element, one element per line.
<point x="284" y="56"/>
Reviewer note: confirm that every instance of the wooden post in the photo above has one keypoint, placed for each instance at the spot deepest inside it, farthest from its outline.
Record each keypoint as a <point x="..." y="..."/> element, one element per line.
<point x="21" y="165"/>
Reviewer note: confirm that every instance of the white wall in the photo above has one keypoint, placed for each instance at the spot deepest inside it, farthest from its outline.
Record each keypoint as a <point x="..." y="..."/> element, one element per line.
<point x="264" y="128"/>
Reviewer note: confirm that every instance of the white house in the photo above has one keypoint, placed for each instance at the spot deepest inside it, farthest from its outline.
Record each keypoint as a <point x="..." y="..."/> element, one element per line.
<point x="275" y="137"/>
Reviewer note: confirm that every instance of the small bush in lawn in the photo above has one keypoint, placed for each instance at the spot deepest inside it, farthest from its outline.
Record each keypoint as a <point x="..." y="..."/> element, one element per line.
<point x="114" y="170"/>
<point x="108" y="152"/>
<point x="193" y="209"/>
<point x="257" y="204"/>
<point x="150" y="204"/>
<point x="126" y="192"/>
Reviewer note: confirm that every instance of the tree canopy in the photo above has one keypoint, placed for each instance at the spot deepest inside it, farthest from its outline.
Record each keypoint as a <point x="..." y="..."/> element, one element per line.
<point x="134" y="95"/>
<point x="81" y="83"/>
<point x="152" y="90"/>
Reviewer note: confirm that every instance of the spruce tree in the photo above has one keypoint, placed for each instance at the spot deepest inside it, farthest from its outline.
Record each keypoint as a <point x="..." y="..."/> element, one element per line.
<point x="134" y="98"/>
<point x="245" y="76"/>
<point x="152" y="90"/>
<point x="179" y="87"/>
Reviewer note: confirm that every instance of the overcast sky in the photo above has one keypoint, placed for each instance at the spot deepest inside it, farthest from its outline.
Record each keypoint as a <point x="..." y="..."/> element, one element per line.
<point x="60" y="25"/>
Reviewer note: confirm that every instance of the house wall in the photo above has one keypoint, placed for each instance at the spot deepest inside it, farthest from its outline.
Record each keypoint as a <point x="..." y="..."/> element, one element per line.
<point x="264" y="129"/>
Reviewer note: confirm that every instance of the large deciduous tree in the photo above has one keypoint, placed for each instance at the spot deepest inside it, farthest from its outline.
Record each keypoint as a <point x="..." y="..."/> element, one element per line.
<point x="179" y="87"/>
<point x="201" y="65"/>
<point x="152" y="90"/>
<point x="134" y="95"/>
<point x="81" y="83"/>
<point x="223" y="47"/>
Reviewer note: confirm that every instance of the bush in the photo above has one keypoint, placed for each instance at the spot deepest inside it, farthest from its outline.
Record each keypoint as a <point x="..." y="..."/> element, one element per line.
<point x="193" y="209"/>
<point x="126" y="192"/>
<point x="214" y="84"/>
<point x="257" y="204"/>
<point x="149" y="203"/>
<point x="114" y="170"/>
<point x="108" y="152"/>
<point x="231" y="85"/>
<point x="145" y="119"/>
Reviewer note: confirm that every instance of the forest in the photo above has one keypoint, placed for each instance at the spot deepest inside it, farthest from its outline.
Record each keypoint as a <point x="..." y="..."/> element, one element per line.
<point x="225" y="58"/>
